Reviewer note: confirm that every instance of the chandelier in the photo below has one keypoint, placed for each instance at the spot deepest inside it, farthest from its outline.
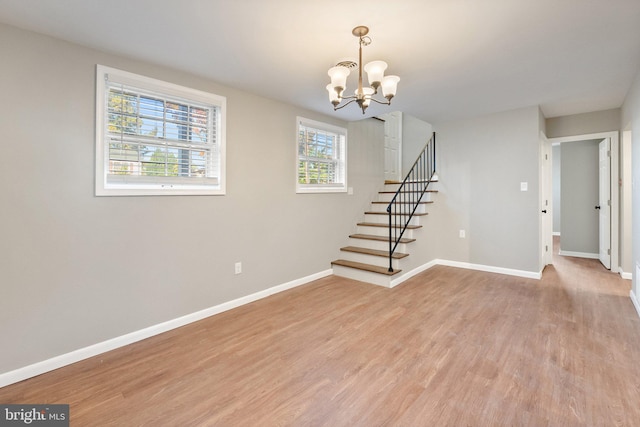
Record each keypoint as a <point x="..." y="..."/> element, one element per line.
<point x="375" y="73"/>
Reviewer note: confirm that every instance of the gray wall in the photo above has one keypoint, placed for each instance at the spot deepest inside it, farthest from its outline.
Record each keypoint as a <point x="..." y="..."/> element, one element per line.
<point x="556" y="157"/>
<point x="582" y="124"/>
<point x="631" y="121"/>
<point x="579" y="189"/>
<point x="78" y="269"/>
<point x="482" y="162"/>
<point x="415" y="135"/>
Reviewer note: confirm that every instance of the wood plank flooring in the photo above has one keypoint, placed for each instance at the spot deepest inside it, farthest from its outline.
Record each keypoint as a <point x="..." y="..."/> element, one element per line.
<point x="448" y="347"/>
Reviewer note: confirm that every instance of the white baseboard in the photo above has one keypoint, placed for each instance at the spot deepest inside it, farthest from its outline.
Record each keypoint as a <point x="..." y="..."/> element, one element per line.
<point x="635" y="301"/>
<point x="39" y="368"/>
<point x="579" y="254"/>
<point x="556" y="233"/>
<point x="624" y="275"/>
<point x="410" y="274"/>
<point x="468" y="266"/>
<point x="491" y="269"/>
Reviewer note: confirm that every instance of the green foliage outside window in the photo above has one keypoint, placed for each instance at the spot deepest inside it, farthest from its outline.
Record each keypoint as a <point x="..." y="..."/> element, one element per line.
<point x="131" y="115"/>
<point x="317" y="151"/>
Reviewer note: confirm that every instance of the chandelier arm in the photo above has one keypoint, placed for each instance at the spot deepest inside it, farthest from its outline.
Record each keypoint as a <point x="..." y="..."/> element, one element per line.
<point x="344" y="105"/>
<point x="388" y="102"/>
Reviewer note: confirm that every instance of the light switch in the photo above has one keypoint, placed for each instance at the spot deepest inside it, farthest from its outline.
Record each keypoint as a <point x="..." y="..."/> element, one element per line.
<point x="524" y="186"/>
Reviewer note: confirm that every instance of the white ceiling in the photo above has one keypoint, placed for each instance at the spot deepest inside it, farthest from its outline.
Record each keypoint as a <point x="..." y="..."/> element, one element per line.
<point x="456" y="58"/>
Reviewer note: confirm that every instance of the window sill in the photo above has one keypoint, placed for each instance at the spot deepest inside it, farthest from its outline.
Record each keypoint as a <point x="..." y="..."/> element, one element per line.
<point x="160" y="191"/>
<point x="315" y="190"/>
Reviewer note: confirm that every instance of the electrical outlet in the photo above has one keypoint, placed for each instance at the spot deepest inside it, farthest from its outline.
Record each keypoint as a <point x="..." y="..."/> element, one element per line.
<point x="238" y="267"/>
<point x="463" y="234"/>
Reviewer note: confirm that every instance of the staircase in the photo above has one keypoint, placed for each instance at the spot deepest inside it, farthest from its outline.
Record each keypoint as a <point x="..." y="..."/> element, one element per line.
<point x="382" y="240"/>
<point x="367" y="256"/>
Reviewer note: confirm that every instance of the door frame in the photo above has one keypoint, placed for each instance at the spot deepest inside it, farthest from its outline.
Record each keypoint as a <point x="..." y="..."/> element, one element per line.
<point x="546" y="202"/>
<point x="615" y="177"/>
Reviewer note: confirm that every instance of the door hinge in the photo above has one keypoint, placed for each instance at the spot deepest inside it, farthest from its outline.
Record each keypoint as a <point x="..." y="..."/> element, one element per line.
<point x="608" y="251"/>
<point x="546" y="157"/>
<point x="608" y="153"/>
<point x="546" y="248"/>
<point x="608" y="202"/>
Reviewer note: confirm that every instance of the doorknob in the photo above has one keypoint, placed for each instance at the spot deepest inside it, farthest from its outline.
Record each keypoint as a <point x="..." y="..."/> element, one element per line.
<point x="598" y="207"/>
<point x="544" y="211"/>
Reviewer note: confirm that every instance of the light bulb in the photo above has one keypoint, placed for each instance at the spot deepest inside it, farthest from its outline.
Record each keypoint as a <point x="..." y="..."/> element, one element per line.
<point x="333" y="95"/>
<point x="375" y="72"/>
<point x="390" y="86"/>
<point x="338" y="76"/>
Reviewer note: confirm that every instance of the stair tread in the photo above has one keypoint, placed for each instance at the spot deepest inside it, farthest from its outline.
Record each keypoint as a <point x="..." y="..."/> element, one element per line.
<point x="365" y="267"/>
<point x="379" y="238"/>
<point x="375" y="224"/>
<point x="405" y="203"/>
<point x="375" y="252"/>
<point x="385" y="213"/>
<point x="394" y="192"/>
<point x="392" y="182"/>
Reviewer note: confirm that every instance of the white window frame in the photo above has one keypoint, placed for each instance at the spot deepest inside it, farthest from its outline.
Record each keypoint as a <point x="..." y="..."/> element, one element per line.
<point x="144" y="186"/>
<point x="341" y="150"/>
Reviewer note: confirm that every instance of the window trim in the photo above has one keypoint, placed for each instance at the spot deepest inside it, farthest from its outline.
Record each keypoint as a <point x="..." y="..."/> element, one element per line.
<point x="168" y="187"/>
<point x="320" y="188"/>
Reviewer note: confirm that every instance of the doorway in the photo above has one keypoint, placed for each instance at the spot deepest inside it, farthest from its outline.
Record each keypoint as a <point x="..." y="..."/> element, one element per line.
<point x="392" y="146"/>
<point x="592" y="231"/>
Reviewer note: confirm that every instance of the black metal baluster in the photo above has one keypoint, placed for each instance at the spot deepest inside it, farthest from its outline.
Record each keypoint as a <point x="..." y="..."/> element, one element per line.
<point x="405" y="201"/>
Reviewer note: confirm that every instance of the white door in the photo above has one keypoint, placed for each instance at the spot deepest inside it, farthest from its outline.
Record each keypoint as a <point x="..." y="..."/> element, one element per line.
<point x="604" y="202"/>
<point x="546" y="213"/>
<point x="392" y="146"/>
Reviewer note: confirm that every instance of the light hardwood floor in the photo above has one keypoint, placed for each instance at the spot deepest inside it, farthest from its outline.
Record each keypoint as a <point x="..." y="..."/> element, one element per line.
<point x="448" y="347"/>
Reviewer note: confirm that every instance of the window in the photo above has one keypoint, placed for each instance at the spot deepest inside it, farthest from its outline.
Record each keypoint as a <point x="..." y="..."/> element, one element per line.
<point x="154" y="137"/>
<point x="322" y="157"/>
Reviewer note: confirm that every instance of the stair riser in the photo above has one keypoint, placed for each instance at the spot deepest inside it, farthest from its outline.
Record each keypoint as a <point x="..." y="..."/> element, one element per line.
<point x="368" y="259"/>
<point x="363" y="276"/>
<point x="380" y="231"/>
<point x="379" y="246"/>
<point x="384" y="219"/>
<point x="379" y="207"/>
<point x="387" y="197"/>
